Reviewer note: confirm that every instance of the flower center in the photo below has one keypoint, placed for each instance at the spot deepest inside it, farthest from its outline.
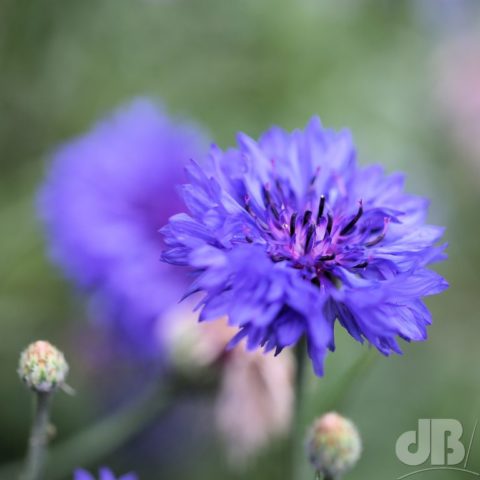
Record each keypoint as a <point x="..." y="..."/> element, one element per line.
<point x="317" y="239"/>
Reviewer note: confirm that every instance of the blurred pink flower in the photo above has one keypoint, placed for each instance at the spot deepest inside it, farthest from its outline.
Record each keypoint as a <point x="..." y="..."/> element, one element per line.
<point x="254" y="403"/>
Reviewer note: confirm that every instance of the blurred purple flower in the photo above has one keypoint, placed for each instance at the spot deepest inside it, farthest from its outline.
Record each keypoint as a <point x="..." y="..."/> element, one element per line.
<point x="104" y="200"/>
<point x="287" y="234"/>
<point x="104" y="474"/>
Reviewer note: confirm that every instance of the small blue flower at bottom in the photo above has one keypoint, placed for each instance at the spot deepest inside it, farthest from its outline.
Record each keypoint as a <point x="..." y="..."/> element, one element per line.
<point x="104" y="474"/>
<point x="289" y="235"/>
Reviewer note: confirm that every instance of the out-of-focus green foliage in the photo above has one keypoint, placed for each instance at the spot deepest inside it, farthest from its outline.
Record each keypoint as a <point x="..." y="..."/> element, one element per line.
<point x="237" y="65"/>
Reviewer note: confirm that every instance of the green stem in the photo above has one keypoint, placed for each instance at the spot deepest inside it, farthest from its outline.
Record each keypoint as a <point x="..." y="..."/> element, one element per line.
<point x="301" y="361"/>
<point x="298" y="450"/>
<point x="37" y="445"/>
<point x="320" y="476"/>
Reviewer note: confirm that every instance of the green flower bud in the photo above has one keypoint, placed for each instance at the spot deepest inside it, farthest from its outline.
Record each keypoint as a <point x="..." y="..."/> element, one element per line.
<point x="334" y="445"/>
<point x="42" y="367"/>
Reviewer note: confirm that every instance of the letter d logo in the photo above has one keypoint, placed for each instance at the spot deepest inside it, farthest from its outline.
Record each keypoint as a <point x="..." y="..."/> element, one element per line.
<point x="423" y="443"/>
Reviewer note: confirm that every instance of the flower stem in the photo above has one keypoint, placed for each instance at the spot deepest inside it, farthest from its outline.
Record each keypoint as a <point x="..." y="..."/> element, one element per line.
<point x="320" y="476"/>
<point x="300" y="355"/>
<point x="297" y="447"/>
<point x="37" y="445"/>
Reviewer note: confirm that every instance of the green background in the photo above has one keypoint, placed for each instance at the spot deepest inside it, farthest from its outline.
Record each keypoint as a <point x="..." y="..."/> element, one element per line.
<point x="239" y="65"/>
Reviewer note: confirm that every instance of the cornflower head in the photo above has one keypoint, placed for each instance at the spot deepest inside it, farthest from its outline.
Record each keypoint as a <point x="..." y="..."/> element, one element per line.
<point x="287" y="235"/>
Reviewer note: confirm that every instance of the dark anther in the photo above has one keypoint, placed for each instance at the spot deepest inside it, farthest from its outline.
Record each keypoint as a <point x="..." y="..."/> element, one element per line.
<point x="325" y="258"/>
<point x="348" y="228"/>
<point x="321" y="207"/>
<point x="376" y="240"/>
<point x="329" y="224"/>
<point x="248" y="207"/>
<point x="266" y="195"/>
<point x="307" y="216"/>
<point x="380" y="237"/>
<point x="293" y="221"/>
<point x="275" y="212"/>
<point x="309" y="238"/>
<point x="249" y="239"/>
<point x="361" y="265"/>
<point x="269" y="202"/>
<point x="315" y="176"/>
<point x="316" y="281"/>
<point x="278" y="350"/>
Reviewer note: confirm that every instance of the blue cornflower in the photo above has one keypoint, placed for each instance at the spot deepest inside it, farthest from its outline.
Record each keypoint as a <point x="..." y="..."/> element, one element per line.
<point x="103" y="474"/>
<point x="106" y="195"/>
<point x="288" y="234"/>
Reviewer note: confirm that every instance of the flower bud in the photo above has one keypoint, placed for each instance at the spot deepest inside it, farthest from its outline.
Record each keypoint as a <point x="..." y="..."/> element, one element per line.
<point x="334" y="445"/>
<point x="42" y="367"/>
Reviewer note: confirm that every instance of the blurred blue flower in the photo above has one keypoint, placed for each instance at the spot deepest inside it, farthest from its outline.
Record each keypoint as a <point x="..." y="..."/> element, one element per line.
<point x="288" y="234"/>
<point x="104" y="200"/>
<point x="104" y="474"/>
